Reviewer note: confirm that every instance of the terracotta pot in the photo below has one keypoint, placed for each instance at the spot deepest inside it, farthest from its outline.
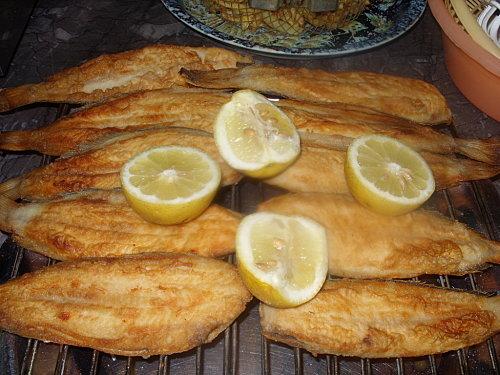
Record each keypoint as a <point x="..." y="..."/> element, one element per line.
<point x="475" y="71"/>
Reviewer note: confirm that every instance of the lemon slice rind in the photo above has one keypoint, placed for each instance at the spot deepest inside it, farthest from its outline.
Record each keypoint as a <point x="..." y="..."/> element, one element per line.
<point x="243" y="102"/>
<point x="271" y="287"/>
<point x="178" y="209"/>
<point x="369" y="194"/>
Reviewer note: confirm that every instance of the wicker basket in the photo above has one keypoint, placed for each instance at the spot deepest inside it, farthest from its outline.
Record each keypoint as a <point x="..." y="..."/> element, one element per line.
<point x="475" y="7"/>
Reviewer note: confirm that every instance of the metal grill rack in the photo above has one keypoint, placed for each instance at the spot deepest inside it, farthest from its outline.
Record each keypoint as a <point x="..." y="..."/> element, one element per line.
<point x="241" y="349"/>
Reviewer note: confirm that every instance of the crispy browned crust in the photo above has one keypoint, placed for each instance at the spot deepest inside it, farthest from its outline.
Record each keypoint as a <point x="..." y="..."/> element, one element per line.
<point x="190" y="108"/>
<point x="316" y="170"/>
<point x="409" y="98"/>
<point x="99" y="167"/>
<point x="102" y="224"/>
<point x="321" y="170"/>
<point x="331" y="125"/>
<point x="147" y="305"/>
<point x="378" y="319"/>
<point x="450" y="171"/>
<point x="364" y="244"/>
<point x="107" y="76"/>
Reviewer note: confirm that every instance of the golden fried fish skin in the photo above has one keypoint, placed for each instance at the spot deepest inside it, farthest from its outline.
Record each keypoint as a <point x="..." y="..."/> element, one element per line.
<point x="376" y="319"/>
<point x="332" y="126"/>
<point x="102" y="224"/>
<point x="364" y="244"/>
<point x="99" y="167"/>
<point x="107" y="76"/>
<point x="322" y="170"/>
<point x="409" y="98"/>
<point x="190" y="108"/>
<point x="140" y="305"/>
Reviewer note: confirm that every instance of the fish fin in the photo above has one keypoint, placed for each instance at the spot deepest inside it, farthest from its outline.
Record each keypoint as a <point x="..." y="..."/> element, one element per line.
<point x="16" y="140"/>
<point x="337" y="142"/>
<point x="8" y="188"/>
<point x="14" y="97"/>
<point x="6" y="207"/>
<point x="450" y="171"/>
<point x="485" y="150"/>
<point x="215" y="79"/>
<point x="475" y="170"/>
<point x="495" y="252"/>
<point x="493" y="304"/>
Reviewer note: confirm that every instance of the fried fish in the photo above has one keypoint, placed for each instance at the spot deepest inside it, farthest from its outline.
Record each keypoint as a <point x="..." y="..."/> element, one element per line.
<point x="148" y="68"/>
<point x="377" y="319"/>
<point x="147" y="305"/>
<point x="316" y="169"/>
<point x="333" y="125"/>
<point x="322" y="170"/>
<point x="102" y="224"/>
<point x="99" y="166"/>
<point x="409" y="98"/>
<point x="364" y="244"/>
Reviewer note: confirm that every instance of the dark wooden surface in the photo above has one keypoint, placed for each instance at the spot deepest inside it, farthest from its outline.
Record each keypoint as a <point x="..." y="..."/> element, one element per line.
<point x="62" y="34"/>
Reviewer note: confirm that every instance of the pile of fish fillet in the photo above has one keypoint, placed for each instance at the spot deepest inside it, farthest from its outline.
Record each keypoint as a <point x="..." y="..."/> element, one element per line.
<point x="129" y="287"/>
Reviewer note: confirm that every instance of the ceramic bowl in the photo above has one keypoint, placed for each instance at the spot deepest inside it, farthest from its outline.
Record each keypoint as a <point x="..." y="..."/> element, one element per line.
<point x="474" y="71"/>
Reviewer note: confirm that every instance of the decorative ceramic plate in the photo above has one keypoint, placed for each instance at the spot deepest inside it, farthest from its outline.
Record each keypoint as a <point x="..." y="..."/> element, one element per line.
<point x="380" y="23"/>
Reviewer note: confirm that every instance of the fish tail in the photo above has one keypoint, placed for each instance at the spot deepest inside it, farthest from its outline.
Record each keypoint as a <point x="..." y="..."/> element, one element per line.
<point x="8" y="188"/>
<point x="16" y="140"/>
<point x="14" y="97"/>
<point x="215" y="79"/>
<point x="474" y="170"/>
<point x="7" y="205"/>
<point x="485" y="150"/>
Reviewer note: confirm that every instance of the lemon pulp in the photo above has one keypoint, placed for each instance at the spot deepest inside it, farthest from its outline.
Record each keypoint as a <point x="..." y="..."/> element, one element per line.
<point x="387" y="176"/>
<point x="282" y="259"/>
<point x="254" y="136"/>
<point x="171" y="184"/>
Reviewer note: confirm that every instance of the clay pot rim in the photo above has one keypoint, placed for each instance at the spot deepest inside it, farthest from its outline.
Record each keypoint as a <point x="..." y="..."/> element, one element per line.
<point x="461" y="39"/>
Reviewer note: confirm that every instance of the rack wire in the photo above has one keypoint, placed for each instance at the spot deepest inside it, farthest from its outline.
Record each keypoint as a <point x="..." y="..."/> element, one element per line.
<point x="241" y="349"/>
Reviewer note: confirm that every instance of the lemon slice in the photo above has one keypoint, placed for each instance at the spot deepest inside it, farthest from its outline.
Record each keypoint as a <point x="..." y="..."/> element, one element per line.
<point x="171" y="184"/>
<point x="282" y="259"/>
<point x="254" y="136"/>
<point x="387" y="176"/>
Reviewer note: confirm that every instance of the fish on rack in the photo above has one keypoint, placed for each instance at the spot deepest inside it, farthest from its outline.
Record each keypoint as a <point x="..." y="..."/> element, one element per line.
<point x="377" y="319"/>
<point x="152" y="67"/>
<point x="364" y="244"/>
<point x="136" y="305"/>
<point x="409" y="98"/>
<point x="331" y="125"/>
<point x="321" y="170"/>
<point x="101" y="224"/>
<point x="97" y="166"/>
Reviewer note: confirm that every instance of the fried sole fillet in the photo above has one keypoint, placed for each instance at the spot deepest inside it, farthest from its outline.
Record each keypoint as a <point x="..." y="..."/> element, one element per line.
<point x="364" y="244"/>
<point x="316" y="169"/>
<point x="409" y="98"/>
<point x="332" y="125"/>
<point x="377" y="319"/>
<point x="99" y="166"/>
<point x="148" y="68"/>
<point x="102" y="224"/>
<point x="322" y="170"/>
<point x="154" y="304"/>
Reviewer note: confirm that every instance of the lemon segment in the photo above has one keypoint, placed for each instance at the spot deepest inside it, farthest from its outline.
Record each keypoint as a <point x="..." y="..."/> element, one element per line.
<point x="387" y="176"/>
<point x="254" y="136"/>
<point x="283" y="260"/>
<point x="171" y="184"/>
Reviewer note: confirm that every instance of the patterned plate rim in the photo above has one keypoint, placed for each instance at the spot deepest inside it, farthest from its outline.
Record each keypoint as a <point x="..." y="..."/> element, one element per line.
<point x="176" y="9"/>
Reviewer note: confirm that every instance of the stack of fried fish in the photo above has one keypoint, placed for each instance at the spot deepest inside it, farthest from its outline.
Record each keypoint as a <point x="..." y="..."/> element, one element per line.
<point x="130" y="287"/>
